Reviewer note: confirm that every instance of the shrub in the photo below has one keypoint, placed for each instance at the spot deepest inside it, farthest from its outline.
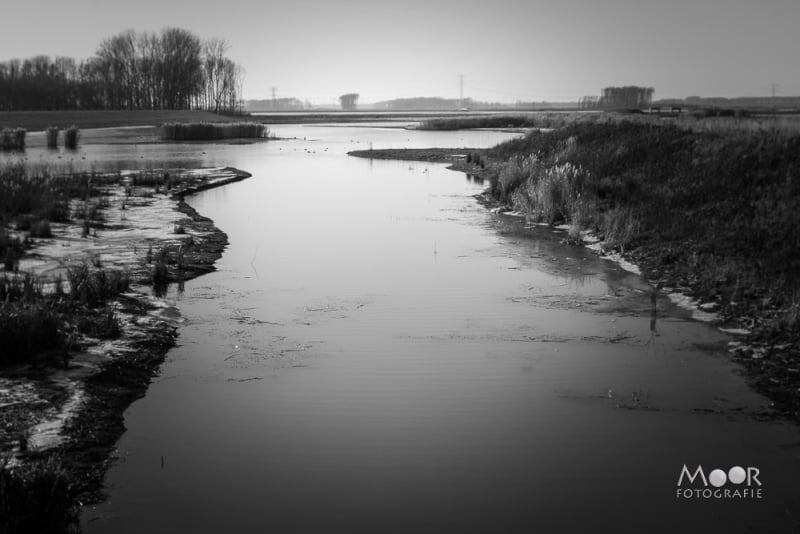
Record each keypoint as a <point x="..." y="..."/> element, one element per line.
<point x="36" y="496"/>
<point x="12" y="139"/>
<point x="56" y="211"/>
<point x="28" y="329"/>
<point x="146" y="179"/>
<point x="35" y="226"/>
<point x="110" y="325"/>
<point x="160" y="273"/>
<point x="10" y="250"/>
<point x="51" y="134"/>
<point x="20" y="288"/>
<point x="512" y="174"/>
<point x="89" y="211"/>
<point x="619" y="228"/>
<point x="94" y="288"/>
<point x="39" y="194"/>
<point x="71" y="137"/>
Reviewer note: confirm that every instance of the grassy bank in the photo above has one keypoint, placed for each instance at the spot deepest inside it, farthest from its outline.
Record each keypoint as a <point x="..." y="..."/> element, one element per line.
<point x="479" y="121"/>
<point x="41" y="120"/>
<point x="712" y="211"/>
<point x="437" y="155"/>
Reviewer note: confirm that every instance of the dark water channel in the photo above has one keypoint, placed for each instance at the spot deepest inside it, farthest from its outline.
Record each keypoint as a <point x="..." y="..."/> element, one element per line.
<point x="378" y="353"/>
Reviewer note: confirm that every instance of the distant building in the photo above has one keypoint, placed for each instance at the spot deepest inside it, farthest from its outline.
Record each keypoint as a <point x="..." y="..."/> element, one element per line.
<point x="349" y="101"/>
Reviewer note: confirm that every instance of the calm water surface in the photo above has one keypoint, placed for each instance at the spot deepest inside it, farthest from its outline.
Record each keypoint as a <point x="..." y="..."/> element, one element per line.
<point x="378" y="353"/>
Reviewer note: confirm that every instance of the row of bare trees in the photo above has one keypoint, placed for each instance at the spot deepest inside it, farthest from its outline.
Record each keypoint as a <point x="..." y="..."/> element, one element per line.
<point x="173" y="69"/>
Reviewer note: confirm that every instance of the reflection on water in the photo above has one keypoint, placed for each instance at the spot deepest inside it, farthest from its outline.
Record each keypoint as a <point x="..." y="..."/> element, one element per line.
<point x="378" y="353"/>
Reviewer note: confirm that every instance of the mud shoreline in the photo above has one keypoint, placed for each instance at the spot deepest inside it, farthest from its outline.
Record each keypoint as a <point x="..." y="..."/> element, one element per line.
<point x="77" y="413"/>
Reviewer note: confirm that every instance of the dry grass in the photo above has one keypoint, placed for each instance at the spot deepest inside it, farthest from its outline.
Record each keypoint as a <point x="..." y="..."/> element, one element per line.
<point x="714" y="207"/>
<point x="36" y="497"/>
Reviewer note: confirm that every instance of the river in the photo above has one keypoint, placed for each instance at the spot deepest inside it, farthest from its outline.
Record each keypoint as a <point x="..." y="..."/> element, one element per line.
<point x="379" y="353"/>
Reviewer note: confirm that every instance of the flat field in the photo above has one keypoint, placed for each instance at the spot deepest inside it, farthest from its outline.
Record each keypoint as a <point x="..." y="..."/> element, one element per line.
<point x="39" y="120"/>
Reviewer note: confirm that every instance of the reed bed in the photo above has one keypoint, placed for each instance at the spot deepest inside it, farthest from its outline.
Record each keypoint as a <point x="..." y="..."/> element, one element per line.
<point x="715" y="208"/>
<point x="211" y="131"/>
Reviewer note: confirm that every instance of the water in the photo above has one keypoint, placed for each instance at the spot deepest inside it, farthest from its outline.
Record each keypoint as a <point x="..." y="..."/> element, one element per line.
<point x="378" y="353"/>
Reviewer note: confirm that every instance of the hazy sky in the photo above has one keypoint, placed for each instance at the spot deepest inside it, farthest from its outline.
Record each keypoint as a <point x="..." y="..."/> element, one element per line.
<point x="508" y="50"/>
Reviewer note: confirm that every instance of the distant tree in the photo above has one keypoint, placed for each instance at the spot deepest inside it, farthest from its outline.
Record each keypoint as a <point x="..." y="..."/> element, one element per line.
<point x="589" y="102"/>
<point x="349" y="101"/>
<point x="172" y="69"/>
<point x="629" y="96"/>
<point x="216" y="83"/>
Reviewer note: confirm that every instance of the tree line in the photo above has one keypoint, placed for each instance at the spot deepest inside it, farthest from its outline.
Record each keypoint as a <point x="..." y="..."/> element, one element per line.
<point x="173" y="69"/>
<point x="629" y="97"/>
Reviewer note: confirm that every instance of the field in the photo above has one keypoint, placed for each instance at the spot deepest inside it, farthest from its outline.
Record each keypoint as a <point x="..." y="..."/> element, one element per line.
<point x="40" y="120"/>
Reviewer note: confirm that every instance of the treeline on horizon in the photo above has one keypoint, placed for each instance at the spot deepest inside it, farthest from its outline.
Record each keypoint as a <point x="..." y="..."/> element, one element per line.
<point x="172" y="69"/>
<point x="437" y="103"/>
<point x="636" y="97"/>
<point x="403" y="104"/>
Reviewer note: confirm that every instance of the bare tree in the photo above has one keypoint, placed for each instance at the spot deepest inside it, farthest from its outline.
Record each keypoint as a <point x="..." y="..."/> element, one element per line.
<point x="168" y="70"/>
<point x="214" y="72"/>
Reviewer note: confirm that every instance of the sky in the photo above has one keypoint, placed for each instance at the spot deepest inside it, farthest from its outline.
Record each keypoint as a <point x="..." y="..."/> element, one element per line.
<point x="506" y="50"/>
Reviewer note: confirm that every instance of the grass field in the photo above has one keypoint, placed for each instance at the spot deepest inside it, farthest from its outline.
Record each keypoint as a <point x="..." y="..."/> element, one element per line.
<point x="40" y="120"/>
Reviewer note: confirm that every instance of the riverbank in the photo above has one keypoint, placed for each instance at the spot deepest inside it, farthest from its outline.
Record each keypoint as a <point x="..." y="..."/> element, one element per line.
<point x="709" y="214"/>
<point x="62" y="410"/>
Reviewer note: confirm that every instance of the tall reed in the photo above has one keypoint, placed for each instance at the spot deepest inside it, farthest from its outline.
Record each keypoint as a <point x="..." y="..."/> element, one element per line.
<point x="51" y="134"/>
<point x="209" y="131"/>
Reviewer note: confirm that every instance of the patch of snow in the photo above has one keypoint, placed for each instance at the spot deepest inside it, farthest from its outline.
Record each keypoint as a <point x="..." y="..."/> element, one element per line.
<point x="688" y="303"/>
<point x="735" y="331"/>
<point x="48" y="434"/>
<point x="593" y="243"/>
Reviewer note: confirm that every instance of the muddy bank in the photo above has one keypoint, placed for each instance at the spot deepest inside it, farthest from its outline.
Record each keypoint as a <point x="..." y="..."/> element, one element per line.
<point x="75" y="409"/>
<point x="466" y="160"/>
